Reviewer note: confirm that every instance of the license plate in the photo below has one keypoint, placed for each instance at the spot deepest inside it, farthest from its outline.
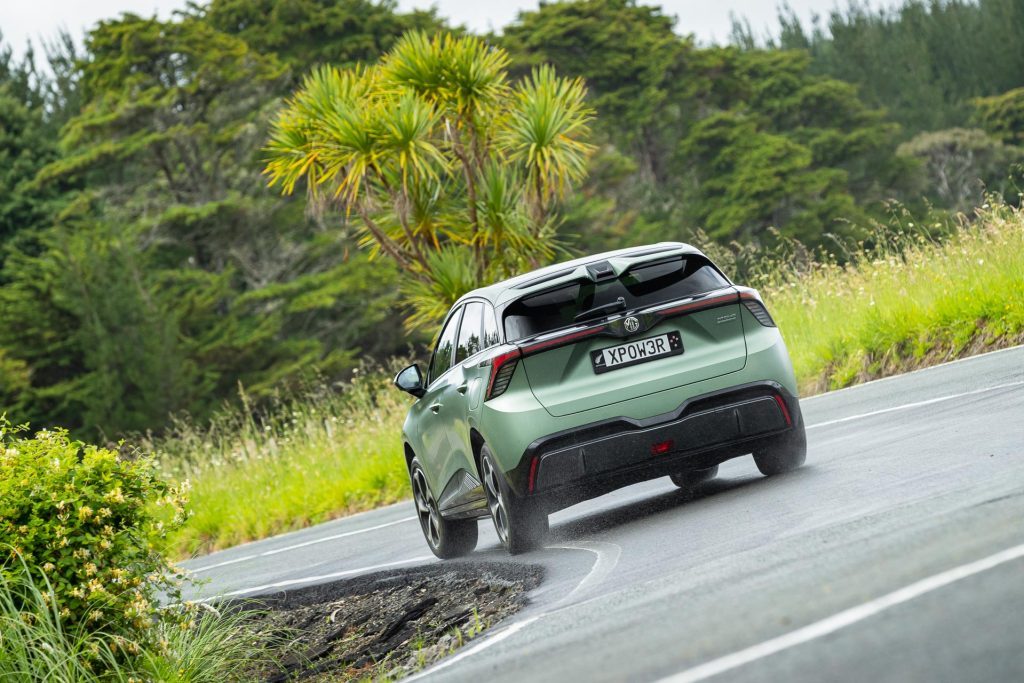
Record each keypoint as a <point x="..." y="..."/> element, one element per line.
<point x="634" y="352"/>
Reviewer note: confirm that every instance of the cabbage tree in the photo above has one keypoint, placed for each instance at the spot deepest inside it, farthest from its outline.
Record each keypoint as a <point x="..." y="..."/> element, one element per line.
<point x="449" y="169"/>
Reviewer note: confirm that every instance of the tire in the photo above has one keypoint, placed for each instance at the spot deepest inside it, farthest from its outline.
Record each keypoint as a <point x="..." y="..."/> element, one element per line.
<point x="693" y="478"/>
<point x="521" y="523"/>
<point x="447" y="538"/>
<point x="785" y="454"/>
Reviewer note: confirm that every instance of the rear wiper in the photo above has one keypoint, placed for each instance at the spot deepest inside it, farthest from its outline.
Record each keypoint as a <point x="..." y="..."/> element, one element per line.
<point x="603" y="309"/>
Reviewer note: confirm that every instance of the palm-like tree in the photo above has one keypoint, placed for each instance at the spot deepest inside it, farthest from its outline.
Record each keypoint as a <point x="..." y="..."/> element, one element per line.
<point x="453" y="171"/>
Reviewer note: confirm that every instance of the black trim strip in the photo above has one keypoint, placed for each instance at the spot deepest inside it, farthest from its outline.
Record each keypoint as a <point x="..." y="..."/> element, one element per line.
<point x="579" y="436"/>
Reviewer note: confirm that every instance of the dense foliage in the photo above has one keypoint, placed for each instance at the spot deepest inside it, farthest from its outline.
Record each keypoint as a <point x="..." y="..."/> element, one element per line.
<point x="87" y="522"/>
<point x="85" y="589"/>
<point x="146" y="269"/>
<point x="453" y="172"/>
<point x="924" y="60"/>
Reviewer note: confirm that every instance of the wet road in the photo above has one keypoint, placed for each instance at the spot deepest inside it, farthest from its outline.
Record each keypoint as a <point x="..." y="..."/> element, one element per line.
<point x="895" y="554"/>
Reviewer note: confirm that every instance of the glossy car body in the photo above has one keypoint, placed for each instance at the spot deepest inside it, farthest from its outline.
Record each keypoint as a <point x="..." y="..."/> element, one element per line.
<point x="559" y="426"/>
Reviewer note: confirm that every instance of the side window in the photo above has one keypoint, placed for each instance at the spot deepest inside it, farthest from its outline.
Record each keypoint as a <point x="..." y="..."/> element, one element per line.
<point x="491" y="337"/>
<point x="469" y="332"/>
<point x="442" y="358"/>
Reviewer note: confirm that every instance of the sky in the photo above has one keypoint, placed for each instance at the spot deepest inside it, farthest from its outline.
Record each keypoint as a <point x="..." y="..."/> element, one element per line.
<point x="24" y="20"/>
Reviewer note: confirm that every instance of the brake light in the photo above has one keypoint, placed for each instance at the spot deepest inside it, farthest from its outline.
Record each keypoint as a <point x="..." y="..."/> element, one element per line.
<point x="503" y="366"/>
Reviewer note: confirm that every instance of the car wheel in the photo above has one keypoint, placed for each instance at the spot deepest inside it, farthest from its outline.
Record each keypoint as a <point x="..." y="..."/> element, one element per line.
<point x="521" y="523"/>
<point x="786" y="453"/>
<point x="693" y="478"/>
<point x="447" y="538"/>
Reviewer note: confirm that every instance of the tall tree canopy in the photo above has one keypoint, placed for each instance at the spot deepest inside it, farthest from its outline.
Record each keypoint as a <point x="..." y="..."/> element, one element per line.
<point x="453" y="171"/>
<point x="923" y="61"/>
<point x="629" y="56"/>
<point x="726" y="140"/>
<point x="306" y="33"/>
<point x="174" y="274"/>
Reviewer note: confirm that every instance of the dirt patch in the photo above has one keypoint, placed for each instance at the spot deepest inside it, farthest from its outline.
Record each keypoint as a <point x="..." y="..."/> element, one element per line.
<point x="385" y="625"/>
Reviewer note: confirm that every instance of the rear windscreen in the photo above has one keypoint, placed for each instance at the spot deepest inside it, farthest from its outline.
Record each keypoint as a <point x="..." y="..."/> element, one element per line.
<point x="641" y="286"/>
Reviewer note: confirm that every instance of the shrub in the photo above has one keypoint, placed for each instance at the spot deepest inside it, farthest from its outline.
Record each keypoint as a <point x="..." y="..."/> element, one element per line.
<point x="90" y="523"/>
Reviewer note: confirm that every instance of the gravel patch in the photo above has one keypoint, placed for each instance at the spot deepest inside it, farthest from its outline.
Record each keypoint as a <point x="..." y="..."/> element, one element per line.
<point x="386" y="625"/>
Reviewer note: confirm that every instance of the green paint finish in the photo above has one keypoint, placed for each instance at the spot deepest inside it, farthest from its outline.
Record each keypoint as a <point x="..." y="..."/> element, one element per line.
<point x="557" y="389"/>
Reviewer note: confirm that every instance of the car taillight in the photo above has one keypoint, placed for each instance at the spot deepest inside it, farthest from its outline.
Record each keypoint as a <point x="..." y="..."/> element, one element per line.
<point x="503" y="366"/>
<point x="756" y="307"/>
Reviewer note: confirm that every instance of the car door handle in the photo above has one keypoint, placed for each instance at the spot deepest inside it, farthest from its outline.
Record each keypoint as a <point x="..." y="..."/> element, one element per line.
<point x="436" y="407"/>
<point x="462" y="387"/>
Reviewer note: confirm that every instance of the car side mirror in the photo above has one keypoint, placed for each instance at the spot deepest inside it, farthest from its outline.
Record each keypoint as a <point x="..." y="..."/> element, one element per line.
<point x="411" y="381"/>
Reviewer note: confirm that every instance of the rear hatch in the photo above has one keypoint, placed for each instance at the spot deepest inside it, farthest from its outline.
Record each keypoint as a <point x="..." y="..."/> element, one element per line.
<point x="620" y="330"/>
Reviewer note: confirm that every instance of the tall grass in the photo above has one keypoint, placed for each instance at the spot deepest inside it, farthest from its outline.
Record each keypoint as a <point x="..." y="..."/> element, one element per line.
<point x="912" y="296"/>
<point x="909" y="301"/>
<point x="36" y="646"/>
<point x="306" y="458"/>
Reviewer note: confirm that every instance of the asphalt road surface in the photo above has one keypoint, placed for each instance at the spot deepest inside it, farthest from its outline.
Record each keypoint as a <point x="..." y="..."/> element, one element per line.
<point x="895" y="554"/>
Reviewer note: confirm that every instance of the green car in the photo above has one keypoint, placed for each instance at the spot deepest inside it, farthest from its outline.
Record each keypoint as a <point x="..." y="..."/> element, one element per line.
<point x="576" y="379"/>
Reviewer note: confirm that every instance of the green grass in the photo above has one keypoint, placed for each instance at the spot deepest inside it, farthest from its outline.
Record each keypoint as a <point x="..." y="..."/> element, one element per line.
<point x="321" y="454"/>
<point x="36" y="645"/>
<point x="911" y="302"/>
<point x="908" y="301"/>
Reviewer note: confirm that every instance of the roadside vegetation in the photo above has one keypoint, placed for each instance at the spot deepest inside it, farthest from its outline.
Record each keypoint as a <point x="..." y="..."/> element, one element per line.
<point x="152" y="284"/>
<point x="919" y="295"/>
<point x="320" y="453"/>
<point x="146" y="268"/>
<point x="910" y="301"/>
<point x="83" y="575"/>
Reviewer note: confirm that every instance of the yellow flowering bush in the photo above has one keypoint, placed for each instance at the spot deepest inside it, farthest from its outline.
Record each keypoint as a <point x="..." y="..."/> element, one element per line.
<point x="91" y="522"/>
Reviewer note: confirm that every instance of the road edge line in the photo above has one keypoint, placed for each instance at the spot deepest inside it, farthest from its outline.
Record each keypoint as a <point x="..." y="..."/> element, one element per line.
<point x="937" y="366"/>
<point x="915" y="404"/>
<point x="841" y="620"/>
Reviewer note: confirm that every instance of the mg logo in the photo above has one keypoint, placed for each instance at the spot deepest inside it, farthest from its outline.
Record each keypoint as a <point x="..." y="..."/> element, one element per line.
<point x="631" y="324"/>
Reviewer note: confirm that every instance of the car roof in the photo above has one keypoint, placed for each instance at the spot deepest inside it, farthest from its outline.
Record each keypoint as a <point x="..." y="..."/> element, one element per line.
<point x="535" y="280"/>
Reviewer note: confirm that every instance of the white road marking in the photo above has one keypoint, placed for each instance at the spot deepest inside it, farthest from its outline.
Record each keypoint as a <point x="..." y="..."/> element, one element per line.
<point x="916" y="404"/>
<point x="833" y="392"/>
<point x="493" y="639"/>
<point x="607" y="557"/>
<point x="315" y="579"/>
<point x="315" y="541"/>
<point x="335" y="537"/>
<point x="842" y="619"/>
<point x="224" y="563"/>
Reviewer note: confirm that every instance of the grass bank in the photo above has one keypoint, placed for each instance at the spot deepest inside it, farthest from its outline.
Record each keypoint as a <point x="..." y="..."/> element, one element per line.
<point x="324" y="453"/>
<point x="908" y="301"/>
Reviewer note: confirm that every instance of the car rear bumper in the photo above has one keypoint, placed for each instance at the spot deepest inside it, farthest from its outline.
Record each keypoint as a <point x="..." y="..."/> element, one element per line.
<point x="706" y="430"/>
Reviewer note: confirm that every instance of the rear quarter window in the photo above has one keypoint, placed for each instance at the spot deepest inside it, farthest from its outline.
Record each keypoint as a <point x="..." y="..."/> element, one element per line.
<point x="640" y="287"/>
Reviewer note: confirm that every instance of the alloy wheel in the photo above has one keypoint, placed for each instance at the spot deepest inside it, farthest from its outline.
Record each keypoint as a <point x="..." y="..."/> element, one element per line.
<point x="425" y="508"/>
<point x="495" y="500"/>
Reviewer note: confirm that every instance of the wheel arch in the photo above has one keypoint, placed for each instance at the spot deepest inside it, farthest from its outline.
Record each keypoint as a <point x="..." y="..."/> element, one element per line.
<point x="476" y="441"/>
<point x="409" y="455"/>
